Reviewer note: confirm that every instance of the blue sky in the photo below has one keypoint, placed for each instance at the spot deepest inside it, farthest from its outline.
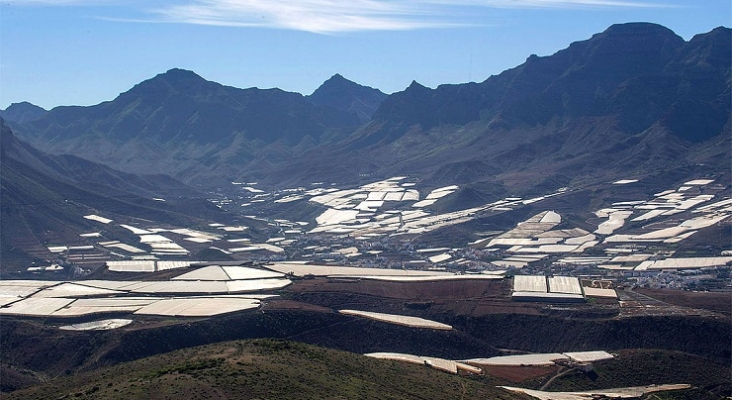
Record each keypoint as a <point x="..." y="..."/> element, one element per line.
<point x="83" y="52"/>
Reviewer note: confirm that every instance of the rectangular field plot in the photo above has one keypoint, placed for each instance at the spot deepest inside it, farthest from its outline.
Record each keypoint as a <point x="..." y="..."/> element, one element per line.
<point x="97" y="218"/>
<point x="131" y="266"/>
<point x="564" y="284"/>
<point x="433" y="362"/>
<point x="542" y="359"/>
<point x="37" y="307"/>
<point x="413" y="322"/>
<point x="242" y="273"/>
<point x="210" y="273"/>
<point x="408" y="358"/>
<point x="68" y="289"/>
<point x="254" y="285"/>
<point x="548" y="297"/>
<point x="74" y="311"/>
<point x="426" y="278"/>
<point x="331" y="270"/>
<point x="529" y="283"/>
<point x="589" y="356"/>
<point x="103" y="325"/>
<point x="198" y="307"/>
<point x="597" y="292"/>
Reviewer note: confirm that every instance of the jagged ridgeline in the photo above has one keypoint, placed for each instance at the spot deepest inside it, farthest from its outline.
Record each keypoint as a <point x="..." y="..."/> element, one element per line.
<point x="634" y="99"/>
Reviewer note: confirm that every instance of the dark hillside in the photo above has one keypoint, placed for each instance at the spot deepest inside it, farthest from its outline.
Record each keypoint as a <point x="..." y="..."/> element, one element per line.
<point x="342" y="94"/>
<point x="22" y="112"/>
<point x="44" y="199"/>
<point x="181" y="124"/>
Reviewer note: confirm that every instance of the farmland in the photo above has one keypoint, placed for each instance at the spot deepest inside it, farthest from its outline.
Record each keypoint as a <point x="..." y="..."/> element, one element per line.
<point x="527" y="277"/>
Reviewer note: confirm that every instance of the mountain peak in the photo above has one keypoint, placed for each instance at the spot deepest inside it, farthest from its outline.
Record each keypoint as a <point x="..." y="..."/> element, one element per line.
<point x="335" y="82"/>
<point x="416" y="88"/>
<point x="22" y="112"/>
<point x="173" y="80"/>
<point x="337" y="77"/>
<point x="342" y="94"/>
<point x="638" y="28"/>
<point x="177" y="76"/>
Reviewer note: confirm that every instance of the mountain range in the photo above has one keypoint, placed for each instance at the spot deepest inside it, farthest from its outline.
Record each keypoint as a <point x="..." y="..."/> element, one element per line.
<point x="634" y="100"/>
<point x="44" y="198"/>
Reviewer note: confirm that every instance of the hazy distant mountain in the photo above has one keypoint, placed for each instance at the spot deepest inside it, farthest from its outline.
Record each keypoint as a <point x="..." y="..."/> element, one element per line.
<point x="183" y="125"/>
<point x="635" y="72"/>
<point x="22" y="112"/>
<point x="44" y="198"/>
<point x="342" y="94"/>
<point x="633" y="100"/>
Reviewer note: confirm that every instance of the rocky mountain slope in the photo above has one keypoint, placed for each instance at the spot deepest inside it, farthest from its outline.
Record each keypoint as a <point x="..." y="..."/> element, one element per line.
<point x="180" y="124"/>
<point x="631" y="101"/>
<point x="342" y="94"/>
<point x="22" y="112"/>
<point x="44" y="198"/>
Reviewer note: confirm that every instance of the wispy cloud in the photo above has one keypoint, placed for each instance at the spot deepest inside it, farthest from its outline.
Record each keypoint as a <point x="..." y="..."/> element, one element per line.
<point x="328" y="16"/>
<point x="332" y="16"/>
<point x="319" y="16"/>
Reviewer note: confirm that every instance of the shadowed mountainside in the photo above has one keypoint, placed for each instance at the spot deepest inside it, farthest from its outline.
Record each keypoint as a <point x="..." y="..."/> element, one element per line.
<point x="22" y="112"/>
<point x="183" y="125"/>
<point x="342" y="94"/>
<point x="635" y="99"/>
<point x="44" y="198"/>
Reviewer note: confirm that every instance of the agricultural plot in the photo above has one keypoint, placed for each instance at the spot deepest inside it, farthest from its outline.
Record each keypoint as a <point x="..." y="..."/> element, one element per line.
<point x="72" y="299"/>
<point x="102" y="325"/>
<point x="68" y="289"/>
<point x="97" y="218"/>
<point x="684" y="263"/>
<point x="664" y="205"/>
<point x="122" y="246"/>
<point x="131" y="266"/>
<point x="589" y="356"/>
<point x="548" y="297"/>
<point x="425" y="278"/>
<point x="599" y="292"/>
<point x="540" y="288"/>
<point x="369" y="209"/>
<point x="302" y="270"/>
<point x="564" y="284"/>
<point x="541" y="359"/>
<point x="40" y="306"/>
<point x="412" y="322"/>
<point x="617" y="393"/>
<point x="529" y="283"/>
<point x="218" y="273"/>
<point x="535" y="236"/>
<point x="437" y="363"/>
<point x="186" y="307"/>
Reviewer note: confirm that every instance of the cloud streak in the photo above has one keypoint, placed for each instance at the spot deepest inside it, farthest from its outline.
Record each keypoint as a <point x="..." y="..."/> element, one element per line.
<point x="330" y="16"/>
<point x="333" y="16"/>
<point x="318" y="16"/>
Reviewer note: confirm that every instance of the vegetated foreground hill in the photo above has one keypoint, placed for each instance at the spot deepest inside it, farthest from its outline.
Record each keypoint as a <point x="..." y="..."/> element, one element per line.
<point x="631" y="101"/>
<point x="258" y="369"/>
<point x="45" y="197"/>
<point x="262" y="369"/>
<point x="33" y="350"/>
